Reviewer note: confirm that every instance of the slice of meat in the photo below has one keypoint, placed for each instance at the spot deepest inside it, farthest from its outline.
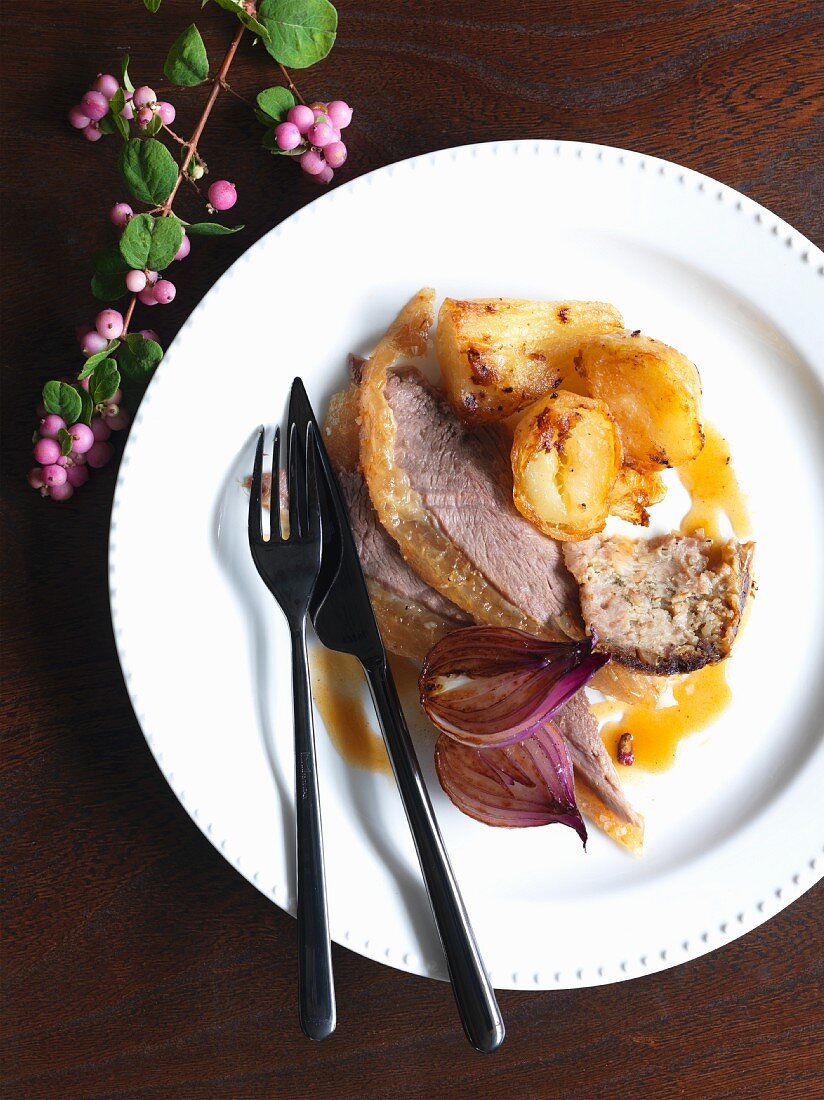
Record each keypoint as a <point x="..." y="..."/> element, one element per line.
<point x="464" y="479"/>
<point x="594" y="765"/>
<point x="665" y="605"/>
<point x="381" y="559"/>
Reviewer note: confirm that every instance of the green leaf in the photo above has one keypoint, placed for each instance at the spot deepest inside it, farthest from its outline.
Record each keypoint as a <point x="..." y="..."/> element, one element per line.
<point x="150" y="242"/>
<point x="63" y="400"/>
<point x="274" y="103"/>
<point x="65" y="440"/>
<point x="107" y="125"/>
<point x="211" y="229"/>
<point x="105" y="381"/>
<point x="249" y="21"/>
<point x="117" y="122"/>
<point x="124" y="74"/>
<point x="117" y="102"/>
<point x="154" y="126"/>
<point x="187" y="63"/>
<point x="152" y="5"/>
<point x="87" y="407"/>
<point x="138" y="357"/>
<point x="148" y="169"/>
<point x="301" y="32"/>
<point x="94" y="360"/>
<point x="109" y="270"/>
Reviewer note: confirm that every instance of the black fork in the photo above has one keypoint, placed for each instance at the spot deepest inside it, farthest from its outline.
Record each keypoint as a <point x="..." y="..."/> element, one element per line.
<point x="289" y="568"/>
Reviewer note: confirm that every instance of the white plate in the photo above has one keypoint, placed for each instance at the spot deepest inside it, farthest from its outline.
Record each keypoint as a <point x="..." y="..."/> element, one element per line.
<point x="734" y="830"/>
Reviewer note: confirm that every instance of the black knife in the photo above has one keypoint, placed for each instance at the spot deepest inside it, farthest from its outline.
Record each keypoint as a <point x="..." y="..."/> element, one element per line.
<point x="343" y="618"/>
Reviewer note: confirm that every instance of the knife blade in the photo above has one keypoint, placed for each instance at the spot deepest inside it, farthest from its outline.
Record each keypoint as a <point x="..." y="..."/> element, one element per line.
<point x="344" y="620"/>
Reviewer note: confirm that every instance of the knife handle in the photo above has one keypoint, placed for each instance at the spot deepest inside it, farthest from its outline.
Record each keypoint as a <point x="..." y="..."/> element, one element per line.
<point x="475" y="997"/>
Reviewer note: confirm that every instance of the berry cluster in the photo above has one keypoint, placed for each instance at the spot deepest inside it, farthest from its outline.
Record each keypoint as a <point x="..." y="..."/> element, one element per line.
<point x="313" y="133"/>
<point x="142" y="105"/>
<point x="150" y="289"/>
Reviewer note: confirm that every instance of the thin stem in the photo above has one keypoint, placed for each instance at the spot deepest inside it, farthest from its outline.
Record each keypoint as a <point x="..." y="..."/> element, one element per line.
<point x="128" y="316"/>
<point x="172" y="134"/>
<point x="191" y="144"/>
<point x="292" y="86"/>
<point x="228" y="88"/>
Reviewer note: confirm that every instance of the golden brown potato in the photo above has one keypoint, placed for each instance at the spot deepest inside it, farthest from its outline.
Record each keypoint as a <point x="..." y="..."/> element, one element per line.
<point x="498" y="355"/>
<point x="566" y="457"/>
<point x="633" y="493"/>
<point x="654" y="393"/>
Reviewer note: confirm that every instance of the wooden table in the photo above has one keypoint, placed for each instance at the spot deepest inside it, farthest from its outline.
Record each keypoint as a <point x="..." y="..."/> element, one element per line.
<point x="137" y="962"/>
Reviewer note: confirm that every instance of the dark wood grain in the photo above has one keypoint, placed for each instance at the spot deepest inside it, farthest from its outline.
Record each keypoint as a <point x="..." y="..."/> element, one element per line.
<point x="136" y="962"/>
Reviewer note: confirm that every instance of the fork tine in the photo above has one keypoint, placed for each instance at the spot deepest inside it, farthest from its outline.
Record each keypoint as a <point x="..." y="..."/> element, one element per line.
<point x="297" y="485"/>
<point x="313" y="494"/>
<point x="275" y="525"/>
<point x="255" y="520"/>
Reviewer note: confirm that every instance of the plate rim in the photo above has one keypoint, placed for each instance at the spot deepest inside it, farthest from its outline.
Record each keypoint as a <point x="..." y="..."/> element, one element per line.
<point x="803" y="871"/>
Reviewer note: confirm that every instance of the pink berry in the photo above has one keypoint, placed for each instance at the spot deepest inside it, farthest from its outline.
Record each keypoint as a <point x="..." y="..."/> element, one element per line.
<point x="143" y="95"/>
<point x="324" y="176"/>
<point x="77" y="476"/>
<point x="302" y="117"/>
<point x="92" y="343"/>
<point x="63" y="491"/>
<point x="35" y="477"/>
<point x="94" y="105"/>
<point x="46" y="451"/>
<point x="92" y="132"/>
<point x="164" y="291"/>
<point x="185" y="248"/>
<point x="106" y="84"/>
<point x="149" y="334"/>
<point x="77" y="459"/>
<point x="335" y="154"/>
<point x="321" y="134"/>
<point x="109" y="323"/>
<point x="120" y="420"/>
<point x="320" y="114"/>
<point x="99" y="454"/>
<point x="116" y="397"/>
<point x="84" y="383"/>
<point x="147" y="296"/>
<point x="83" y="438"/>
<point x="167" y="112"/>
<point x="144" y="117"/>
<point x="222" y="195"/>
<point x="100" y="429"/>
<point x="78" y="118"/>
<point x="50" y="425"/>
<point x="128" y="111"/>
<point x="312" y="162"/>
<point x="135" y="281"/>
<point x="287" y="136"/>
<point x="54" y="475"/>
<point x="120" y="213"/>
<point x="340" y="113"/>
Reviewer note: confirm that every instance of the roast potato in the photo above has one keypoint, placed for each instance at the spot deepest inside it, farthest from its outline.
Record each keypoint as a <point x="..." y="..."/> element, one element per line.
<point x="498" y="355"/>
<point x="566" y="457"/>
<point x="653" y="392"/>
<point x="633" y="493"/>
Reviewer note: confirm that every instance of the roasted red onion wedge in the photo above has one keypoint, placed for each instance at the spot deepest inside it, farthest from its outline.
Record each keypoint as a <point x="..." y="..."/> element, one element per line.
<point x="513" y="787"/>
<point x="489" y="686"/>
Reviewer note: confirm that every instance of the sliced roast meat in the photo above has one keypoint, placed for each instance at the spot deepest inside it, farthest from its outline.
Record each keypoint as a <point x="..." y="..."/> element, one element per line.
<point x="380" y="557"/>
<point x="665" y="605"/>
<point x="464" y="479"/>
<point x="590" y="758"/>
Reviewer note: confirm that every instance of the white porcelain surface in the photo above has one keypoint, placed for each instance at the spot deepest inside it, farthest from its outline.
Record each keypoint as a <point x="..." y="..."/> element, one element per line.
<point x="734" y="830"/>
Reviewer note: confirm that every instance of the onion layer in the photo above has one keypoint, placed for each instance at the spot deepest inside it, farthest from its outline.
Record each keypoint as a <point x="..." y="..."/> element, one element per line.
<point x="517" y="786"/>
<point x="489" y="686"/>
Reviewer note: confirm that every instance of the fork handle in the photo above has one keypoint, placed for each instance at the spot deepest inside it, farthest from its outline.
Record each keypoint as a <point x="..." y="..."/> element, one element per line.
<point x="316" y="989"/>
<point x="475" y="997"/>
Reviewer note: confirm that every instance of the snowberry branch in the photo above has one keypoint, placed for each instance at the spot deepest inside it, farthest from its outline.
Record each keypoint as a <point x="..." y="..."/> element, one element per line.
<point x="78" y="416"/>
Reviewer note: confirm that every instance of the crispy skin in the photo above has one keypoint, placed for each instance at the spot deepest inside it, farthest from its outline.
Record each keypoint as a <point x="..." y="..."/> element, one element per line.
<point x="666" y="606"/>
<point x="498" y="355"/>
